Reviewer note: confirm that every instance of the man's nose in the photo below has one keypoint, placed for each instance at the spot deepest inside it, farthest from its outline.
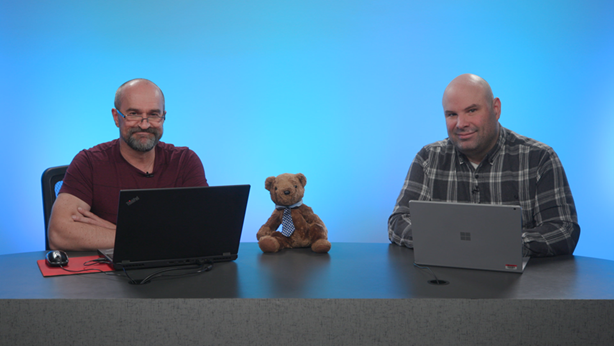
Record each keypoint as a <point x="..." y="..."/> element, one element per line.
<point x="461" y="121"/>
<point x="144" y="124"/>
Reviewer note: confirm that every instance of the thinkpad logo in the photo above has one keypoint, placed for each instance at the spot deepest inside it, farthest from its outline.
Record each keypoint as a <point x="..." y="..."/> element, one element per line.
<point x="131" y="201"/>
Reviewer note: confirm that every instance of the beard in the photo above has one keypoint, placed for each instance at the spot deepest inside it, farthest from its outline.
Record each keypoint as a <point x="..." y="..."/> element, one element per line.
<point x="141" y="144"/>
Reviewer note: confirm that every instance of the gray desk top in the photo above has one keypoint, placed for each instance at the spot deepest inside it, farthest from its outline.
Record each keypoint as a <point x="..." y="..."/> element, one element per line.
<point x="350" y="270"/>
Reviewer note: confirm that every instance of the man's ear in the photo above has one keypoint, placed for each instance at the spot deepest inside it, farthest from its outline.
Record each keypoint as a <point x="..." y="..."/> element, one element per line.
<point x="268" y="183"/>
<point x="496" y="107"/>
<point x="115" y="116"/>
<point x="301" y="177"/>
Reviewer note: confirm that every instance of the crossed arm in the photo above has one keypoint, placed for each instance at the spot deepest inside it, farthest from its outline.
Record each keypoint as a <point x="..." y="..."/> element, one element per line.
<point x="72" y="226"/>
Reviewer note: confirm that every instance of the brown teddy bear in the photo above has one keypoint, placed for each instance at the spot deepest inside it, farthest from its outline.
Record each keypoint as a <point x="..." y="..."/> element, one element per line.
<point x="300" y="226"/>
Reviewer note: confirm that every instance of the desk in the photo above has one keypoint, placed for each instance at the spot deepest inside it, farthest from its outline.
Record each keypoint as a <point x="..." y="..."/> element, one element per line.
<point x="358" y="294"/>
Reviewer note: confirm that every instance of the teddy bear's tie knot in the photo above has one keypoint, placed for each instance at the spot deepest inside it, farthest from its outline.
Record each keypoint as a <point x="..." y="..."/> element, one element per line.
<point x="286" y="222"/>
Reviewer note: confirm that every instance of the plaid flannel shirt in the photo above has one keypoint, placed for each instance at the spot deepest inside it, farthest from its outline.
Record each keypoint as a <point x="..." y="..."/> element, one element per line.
<point x="517" y="171"/>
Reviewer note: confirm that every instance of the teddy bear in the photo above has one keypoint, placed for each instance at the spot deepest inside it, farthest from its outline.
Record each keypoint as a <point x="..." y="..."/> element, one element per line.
<point x="300" y="226"/>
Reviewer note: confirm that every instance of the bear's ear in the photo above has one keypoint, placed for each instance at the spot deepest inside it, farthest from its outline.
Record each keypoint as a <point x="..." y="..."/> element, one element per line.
<point x="301" y="177"/>
<point x="268" y="183"/>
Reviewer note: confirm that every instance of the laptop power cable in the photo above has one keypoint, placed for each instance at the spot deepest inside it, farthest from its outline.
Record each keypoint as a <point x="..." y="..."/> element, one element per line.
<point x="432" y="282"/>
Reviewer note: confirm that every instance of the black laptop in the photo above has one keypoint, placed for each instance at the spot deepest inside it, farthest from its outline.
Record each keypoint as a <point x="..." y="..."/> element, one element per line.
<point x="178" y="226"/>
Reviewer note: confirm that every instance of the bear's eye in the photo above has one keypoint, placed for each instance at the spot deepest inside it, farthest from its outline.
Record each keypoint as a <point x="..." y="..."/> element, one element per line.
<point x="275" y="188"/>
<point x="295" y="186"/>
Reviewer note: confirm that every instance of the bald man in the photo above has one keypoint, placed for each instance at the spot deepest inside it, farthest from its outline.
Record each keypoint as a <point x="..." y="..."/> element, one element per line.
<point x="483" y="162"/>
<point x="84" y="214"/>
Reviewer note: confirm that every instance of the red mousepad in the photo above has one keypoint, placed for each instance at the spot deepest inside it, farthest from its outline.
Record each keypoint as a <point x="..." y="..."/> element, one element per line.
<point x="75" y="265"/>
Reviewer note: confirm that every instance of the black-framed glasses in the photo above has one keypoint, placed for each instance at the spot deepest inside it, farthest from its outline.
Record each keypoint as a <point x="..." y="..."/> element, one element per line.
<point x="152" y="119"/>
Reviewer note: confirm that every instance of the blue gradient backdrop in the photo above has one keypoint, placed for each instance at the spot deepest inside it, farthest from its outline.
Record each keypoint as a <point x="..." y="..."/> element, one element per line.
<point x="345" y="92"/>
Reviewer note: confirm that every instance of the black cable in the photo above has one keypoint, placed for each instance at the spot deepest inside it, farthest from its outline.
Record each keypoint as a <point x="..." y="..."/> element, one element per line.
<point x="201" y="268"/>
<point x="96" y="261"/>
<point x="90" y="263"/>
<point x="204" y="267"/>
<point x="129" y="277"/>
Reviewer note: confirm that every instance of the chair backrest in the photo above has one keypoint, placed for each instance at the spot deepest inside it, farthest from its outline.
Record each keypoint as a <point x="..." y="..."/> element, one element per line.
<point x="51" y="182"/>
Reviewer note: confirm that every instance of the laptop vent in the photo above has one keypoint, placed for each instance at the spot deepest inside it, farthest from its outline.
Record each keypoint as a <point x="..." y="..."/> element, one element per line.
<point x="465" y="236"/>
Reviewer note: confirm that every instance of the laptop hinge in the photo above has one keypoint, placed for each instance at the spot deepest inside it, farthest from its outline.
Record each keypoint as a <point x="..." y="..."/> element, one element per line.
<point x="226" y="254"/>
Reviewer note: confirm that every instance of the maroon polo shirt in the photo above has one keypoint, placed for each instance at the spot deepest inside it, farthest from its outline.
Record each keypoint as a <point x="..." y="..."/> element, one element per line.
<point x="96" y="175"/>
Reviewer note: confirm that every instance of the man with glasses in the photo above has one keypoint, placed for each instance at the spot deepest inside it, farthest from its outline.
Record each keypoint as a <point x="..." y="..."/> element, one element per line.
<point x="85" y="212"/>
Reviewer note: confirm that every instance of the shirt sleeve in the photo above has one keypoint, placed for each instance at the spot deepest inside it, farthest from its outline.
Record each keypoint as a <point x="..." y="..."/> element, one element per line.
<point x="415" y="187"/>
<point x="78" y="178"/>
<point x="193" y="171"/>
<point x="556" y="230"/>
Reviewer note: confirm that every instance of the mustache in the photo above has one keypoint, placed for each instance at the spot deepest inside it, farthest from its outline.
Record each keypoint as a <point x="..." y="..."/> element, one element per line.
<point x="138" y="129"/>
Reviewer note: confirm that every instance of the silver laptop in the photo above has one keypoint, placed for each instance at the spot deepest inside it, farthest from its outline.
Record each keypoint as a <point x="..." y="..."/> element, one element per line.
<point x="468" y="235"/>
<point x="178" y="226"/>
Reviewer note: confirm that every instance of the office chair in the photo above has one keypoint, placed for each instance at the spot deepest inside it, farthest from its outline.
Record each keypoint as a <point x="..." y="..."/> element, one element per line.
<point x="51" y="182"/>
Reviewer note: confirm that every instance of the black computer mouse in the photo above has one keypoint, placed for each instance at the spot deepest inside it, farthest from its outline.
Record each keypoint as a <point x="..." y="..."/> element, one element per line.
<point x="56" y="258"/>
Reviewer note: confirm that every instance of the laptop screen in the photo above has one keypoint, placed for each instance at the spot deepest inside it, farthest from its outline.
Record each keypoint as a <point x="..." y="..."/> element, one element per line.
<point x="158" y="227"/>
<point x="467" y="235"/>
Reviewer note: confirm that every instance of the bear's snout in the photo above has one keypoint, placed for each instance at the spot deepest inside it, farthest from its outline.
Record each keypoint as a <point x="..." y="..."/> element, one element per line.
<point x="286" y="192"/>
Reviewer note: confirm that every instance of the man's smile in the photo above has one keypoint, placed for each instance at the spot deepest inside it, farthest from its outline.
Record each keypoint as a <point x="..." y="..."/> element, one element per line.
<point x="465" y="135"/>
